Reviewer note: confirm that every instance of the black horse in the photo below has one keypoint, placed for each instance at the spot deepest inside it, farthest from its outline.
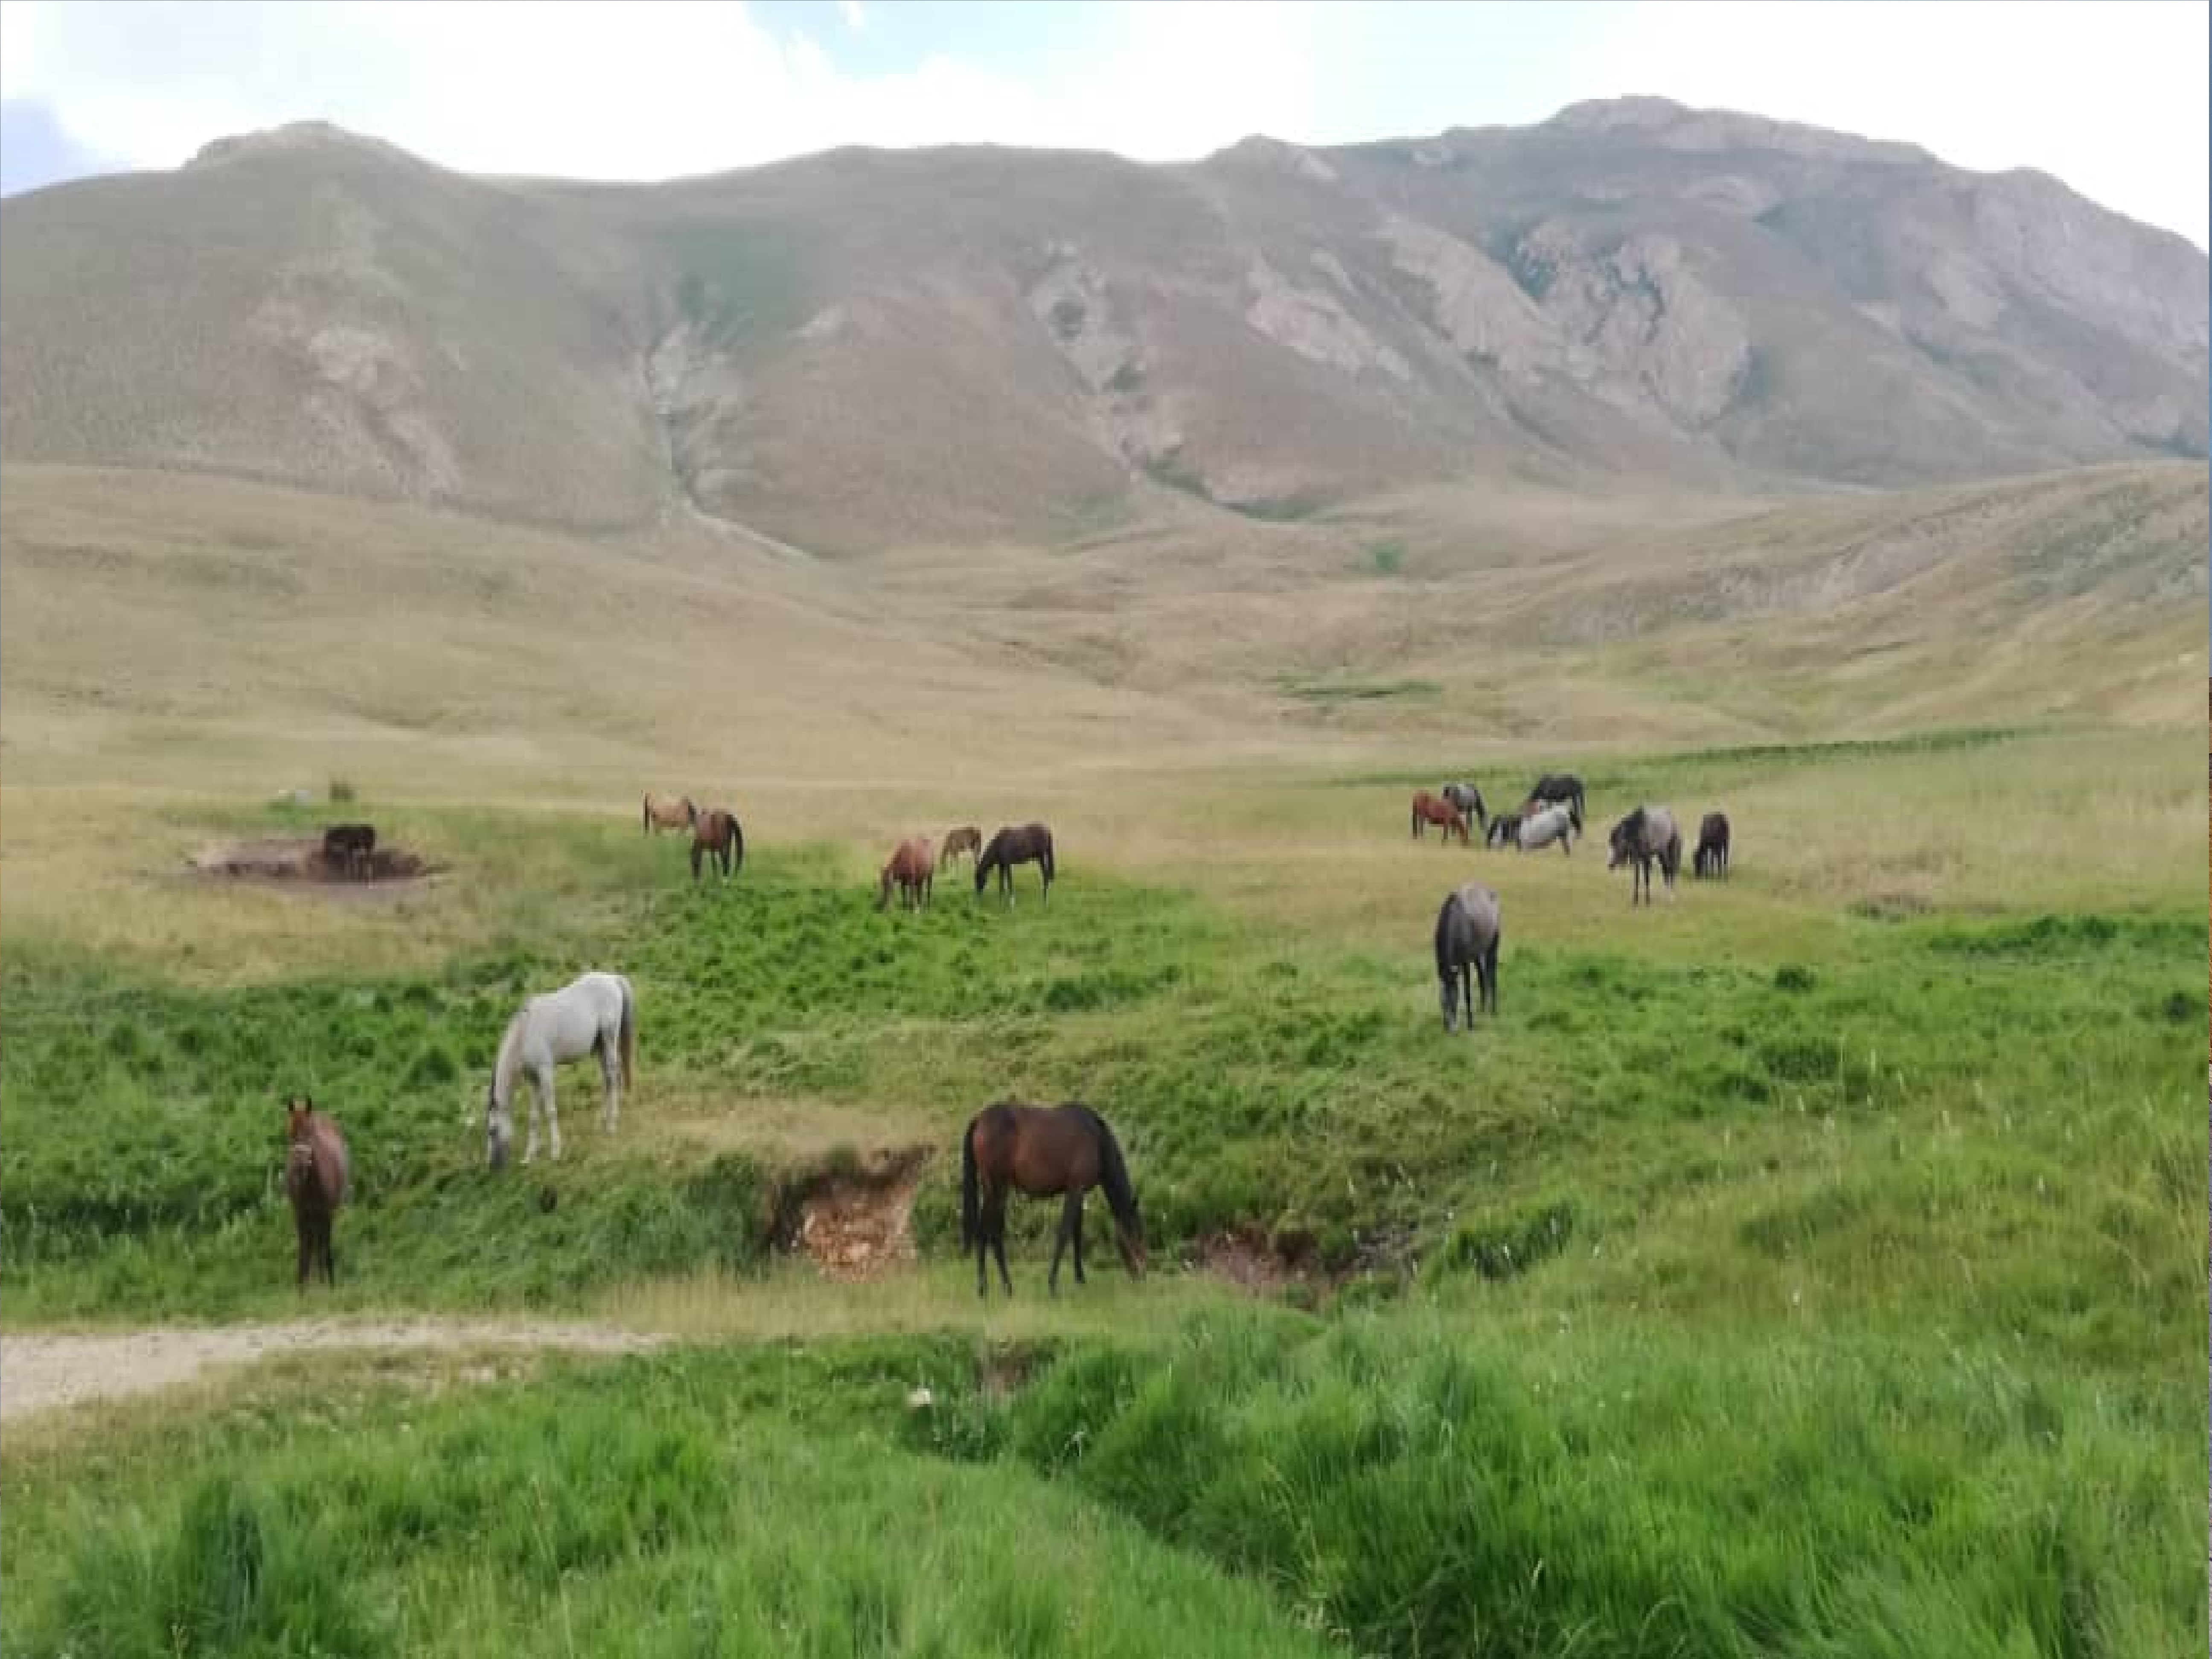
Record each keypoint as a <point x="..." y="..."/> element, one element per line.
<point x="1468" y="929"/>
<point x="1029" y="843"/>
<point x="1564" y="789"/>
<point x="1711" y="858"/>
<point x="351" y="847"/>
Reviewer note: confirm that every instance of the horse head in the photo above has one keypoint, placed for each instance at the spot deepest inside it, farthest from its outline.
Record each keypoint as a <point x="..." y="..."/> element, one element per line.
<point x="499" y="1131"/>
<point x="1129" y="1239"/>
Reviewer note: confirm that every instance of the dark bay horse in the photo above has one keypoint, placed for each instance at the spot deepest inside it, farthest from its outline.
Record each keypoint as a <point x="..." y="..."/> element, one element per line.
<point x="913" y="868"/>
<point x="715" y="833"/>
<point x="317" y="1171"/>
<point x="1561" y="788"/>
<point x="664" y="814"/>
<point x="1430" y="809"/>
<point x="966" y="839"/>
<point x="1711" y="858"/>
<point x="351" y="847"/>
<point x="1505" y="830"/>
<point x="1646" y="834"/>
<point x="1468" y="800"/>
<point x="1029" y="843"/>
<point x="1468" y="929"/>
<point x="1043" y="1151"/>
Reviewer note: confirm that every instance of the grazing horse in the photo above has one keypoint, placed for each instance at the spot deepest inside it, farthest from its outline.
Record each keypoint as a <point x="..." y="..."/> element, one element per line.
<point x="966" y="839"/>
<point x="715" y="832"/>
<point x="318" y="1173"/>
<point x="1505" y="830"/>
<point x="677" y="814"/>
<point x="914" y="869"/>
<point x="1030" y="843"/>
<point x="594" y="1014"/>
<point x="1468" y="800"/>
<point x="1430" y="809"/>
<point x="1468" y="929"/>
<point x="351" y="847"/>
<point x="1646" y="834"/>
<point x="1551" y="823"/>
<point x="1711" y="858"/>
<point x="1561" y="788"/>
<point x="1044" y="1152"/>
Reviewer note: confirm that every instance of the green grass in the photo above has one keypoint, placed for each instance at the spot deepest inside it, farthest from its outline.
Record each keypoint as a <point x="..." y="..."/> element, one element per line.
<point x="757" y="1504"/>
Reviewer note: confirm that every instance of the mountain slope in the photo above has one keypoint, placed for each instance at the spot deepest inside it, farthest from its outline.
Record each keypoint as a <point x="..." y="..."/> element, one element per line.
<point x="865" y="348"/>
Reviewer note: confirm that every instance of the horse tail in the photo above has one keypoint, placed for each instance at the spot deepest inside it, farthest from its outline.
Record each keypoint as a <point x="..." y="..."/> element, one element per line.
<point x="736" y="844"/>
<point x="884" y="887"/>
<point x="971" y="1217"/>
<point x="1114" y="1174"/>
<point x="628" y="1037"/>
<point x="644" y="813"/>
<point x="1046" y="859"/>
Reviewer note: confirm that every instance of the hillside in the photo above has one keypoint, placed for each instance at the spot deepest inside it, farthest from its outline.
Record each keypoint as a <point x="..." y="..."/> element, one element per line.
<point x="863" y="350"/>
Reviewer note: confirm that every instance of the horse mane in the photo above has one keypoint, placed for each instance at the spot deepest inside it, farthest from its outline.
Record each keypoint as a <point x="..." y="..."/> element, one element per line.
<point x="1444" y="962"/>
<point x="1114" y="1175"/>
<point x="502" y="1065"/>
<point x="1631" y="825"/>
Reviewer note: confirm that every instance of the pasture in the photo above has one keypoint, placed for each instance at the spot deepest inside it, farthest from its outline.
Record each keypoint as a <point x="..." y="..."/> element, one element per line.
<point x="1811" y="1265"/>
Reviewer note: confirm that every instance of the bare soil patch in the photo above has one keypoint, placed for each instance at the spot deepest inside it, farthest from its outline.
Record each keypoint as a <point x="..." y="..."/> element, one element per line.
<point x="43" y="1372"/>
<point x="297" y="863"/>
<point x="854" y="1222"/>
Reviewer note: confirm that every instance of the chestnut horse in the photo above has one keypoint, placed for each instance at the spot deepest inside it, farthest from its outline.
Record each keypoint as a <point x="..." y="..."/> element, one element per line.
<point x="715" y="833"/>
<point x="914" y="869"/>
<point x="1044" y="1152"/>
<point x="966" y="839"/>
<point x="677" y="814"/>
<point x="317" y="1174"/>
<point x="1430" y="809"/>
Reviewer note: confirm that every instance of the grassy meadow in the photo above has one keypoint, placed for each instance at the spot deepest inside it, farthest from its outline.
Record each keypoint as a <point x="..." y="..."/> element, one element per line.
<point x="1813" y="1264"/>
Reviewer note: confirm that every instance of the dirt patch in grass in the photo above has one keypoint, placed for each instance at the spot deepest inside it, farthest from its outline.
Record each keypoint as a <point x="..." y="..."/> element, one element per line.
<point x="854" y="1220"/>
<point x="298" y="864"/>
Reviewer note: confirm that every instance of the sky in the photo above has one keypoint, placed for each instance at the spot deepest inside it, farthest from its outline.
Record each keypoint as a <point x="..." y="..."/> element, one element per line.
<point x="2111" y="99"/>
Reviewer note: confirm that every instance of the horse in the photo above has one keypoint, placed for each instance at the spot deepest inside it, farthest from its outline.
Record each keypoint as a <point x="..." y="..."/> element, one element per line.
<point x="1505" y="830"/>
<point x="318" y="1174"/>
<point x="1030" y="843"/>
<point x="715" y="832"/>
<point x="677" y="814"/>
<point x="1429" y="809"/>
<point x="594" y="1014"/>
<point x="966" y="839"/>
<point x="1468" y="800"/>
<point x="1646" y="834"/>
<point x="1468" y="929"/>
<point x="915" y="870"/>
<point x="1044" y="1152"/>
<point x="351" y="847"/>
<point x="1551" y="823"/>
<point x="1563" y="789"/>
<point x="1711" y="858"/>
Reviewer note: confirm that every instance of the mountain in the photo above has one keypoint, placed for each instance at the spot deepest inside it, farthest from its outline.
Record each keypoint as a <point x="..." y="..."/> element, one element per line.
<point x="863" y="350"/>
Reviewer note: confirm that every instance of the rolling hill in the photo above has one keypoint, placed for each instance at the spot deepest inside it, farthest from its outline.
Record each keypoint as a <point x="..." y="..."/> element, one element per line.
<point x="862" y="350"/>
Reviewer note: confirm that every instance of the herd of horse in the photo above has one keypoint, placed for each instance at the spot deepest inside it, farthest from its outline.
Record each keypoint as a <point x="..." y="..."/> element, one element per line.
<point x="1041" y="1152"/>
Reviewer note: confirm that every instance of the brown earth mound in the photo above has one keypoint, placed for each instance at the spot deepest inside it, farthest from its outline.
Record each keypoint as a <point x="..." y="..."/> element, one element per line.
<point x="287" y="858"/>
<point x="855" y="1223"/>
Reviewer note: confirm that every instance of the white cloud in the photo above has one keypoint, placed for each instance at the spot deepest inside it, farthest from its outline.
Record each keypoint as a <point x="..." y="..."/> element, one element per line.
<point x="855" y="14"/>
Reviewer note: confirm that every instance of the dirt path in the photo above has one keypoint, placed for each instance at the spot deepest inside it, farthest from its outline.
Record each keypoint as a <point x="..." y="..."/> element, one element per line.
<point x="41" y="1371"/>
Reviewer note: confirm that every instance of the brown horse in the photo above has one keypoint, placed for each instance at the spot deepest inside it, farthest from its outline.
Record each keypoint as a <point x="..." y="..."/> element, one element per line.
<point x="913" y="868"/>
<point x="1432" y="808"/>
<point x="661" y="814"/>
<point x="1030" y="843"/>
<point x="1711" y="858"/>
<point x="318" y="1173"/>
<point x="715" y="833"/>
<point x="966" y="839"/>
<point x="1045" y="1151"/>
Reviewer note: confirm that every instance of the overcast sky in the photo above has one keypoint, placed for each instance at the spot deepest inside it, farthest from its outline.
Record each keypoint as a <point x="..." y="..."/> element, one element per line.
<point x="2112" y="99"/>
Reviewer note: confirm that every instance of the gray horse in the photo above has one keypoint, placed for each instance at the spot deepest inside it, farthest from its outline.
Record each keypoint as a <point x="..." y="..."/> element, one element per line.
<point x="1552" y="823"/>
<point x="1646" y="834"/>
<point x="1469" y="927"/>
<point x="1468" y="800"/>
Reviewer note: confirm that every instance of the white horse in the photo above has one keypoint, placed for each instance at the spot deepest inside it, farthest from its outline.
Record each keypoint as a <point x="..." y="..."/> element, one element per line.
<point x="595" y="1015"/>
<point x="1553" y="823"/>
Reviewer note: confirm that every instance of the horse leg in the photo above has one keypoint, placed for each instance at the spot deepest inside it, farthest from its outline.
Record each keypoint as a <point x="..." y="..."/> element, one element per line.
<point x="306" y="1249"/>
<point x="552" y="1113"/>
<point x="330" y="1256"/>
<point x="611" y="1080"/>
<point x="998" y="1223"/>
<point x="1079" y="1242"/>
<point x="1068" y="1212"/>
